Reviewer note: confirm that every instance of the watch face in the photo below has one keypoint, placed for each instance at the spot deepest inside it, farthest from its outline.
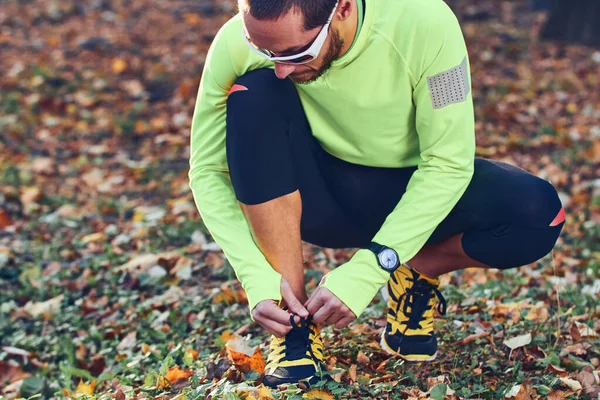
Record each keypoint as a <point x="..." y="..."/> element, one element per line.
<point x="388" y="259"/>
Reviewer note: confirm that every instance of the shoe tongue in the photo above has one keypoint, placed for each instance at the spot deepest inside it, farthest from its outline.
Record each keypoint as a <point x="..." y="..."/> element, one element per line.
<point x="297" y="342"/>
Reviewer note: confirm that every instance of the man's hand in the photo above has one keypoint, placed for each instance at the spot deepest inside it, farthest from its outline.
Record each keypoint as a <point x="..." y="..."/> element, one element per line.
<point x="327" y="309"/>
<point x="275" y="320"/>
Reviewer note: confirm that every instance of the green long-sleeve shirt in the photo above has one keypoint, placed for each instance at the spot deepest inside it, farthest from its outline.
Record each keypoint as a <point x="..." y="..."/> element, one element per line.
<point x="399" y="97"/>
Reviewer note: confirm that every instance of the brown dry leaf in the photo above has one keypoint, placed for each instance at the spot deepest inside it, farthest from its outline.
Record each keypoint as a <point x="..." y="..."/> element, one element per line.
<point x="81" y="352"/>
<point x="527" y="393"/>
<point x="362" y="358"/>
<point x="318" y="394"/>
<point x="119" y="65"/>
<point x="585" y="332"/>
<point x="538" y="313"/>
<point x="557" y="370"/>
<point x="10" y="372"/>
<point x="578" y="349"/>
<point x="214" y="260"/>
<point x="120" y="395"/>
<point x="471" y="338"/>
<point x="229" y="296"/>
<point x="143" y="262"/>
<point x="5" y="219"/>
<point x="352" y="372"/>
<point x="244" y="357"/>
<point x="588" y="381"/>
<point x="575" y="333"/>
<point x="522" y="392"/>
<point x="85" y="388"/>
<point x="559" y="395"/>
<point x="30" y="195"/>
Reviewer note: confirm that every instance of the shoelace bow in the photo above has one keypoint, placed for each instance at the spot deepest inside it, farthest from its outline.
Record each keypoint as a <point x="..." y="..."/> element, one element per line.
<point x="297" y="341"/>
<point x="417" y="299"/>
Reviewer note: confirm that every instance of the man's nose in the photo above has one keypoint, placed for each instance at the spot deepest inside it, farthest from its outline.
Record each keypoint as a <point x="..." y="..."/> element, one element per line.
<point x="283" y="70"/>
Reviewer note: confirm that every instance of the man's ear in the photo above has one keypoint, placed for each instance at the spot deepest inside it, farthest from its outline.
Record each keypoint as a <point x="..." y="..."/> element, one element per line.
<point x="344" y="9"/>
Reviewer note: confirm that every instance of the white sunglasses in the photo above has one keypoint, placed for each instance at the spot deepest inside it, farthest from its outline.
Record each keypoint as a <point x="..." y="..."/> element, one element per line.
<point x="301" y="58"/>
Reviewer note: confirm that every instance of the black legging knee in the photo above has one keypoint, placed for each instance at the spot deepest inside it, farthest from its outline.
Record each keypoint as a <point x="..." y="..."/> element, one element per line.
<point x="508" y="217"/>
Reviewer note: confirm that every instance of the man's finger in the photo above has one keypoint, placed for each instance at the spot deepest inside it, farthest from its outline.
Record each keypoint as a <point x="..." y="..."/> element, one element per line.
<point x="272" y="312"/>
<point x="315" y="302"/>
<point x="342" y="323"/>
<point x="292" y="302"/>
<point x="275" y="328"/>
<point x="333" y="319"/>
<point x="323" y="314"/>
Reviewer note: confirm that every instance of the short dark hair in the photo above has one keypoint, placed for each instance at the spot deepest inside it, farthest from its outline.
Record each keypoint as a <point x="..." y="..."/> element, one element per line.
<point x="315" y="12"/>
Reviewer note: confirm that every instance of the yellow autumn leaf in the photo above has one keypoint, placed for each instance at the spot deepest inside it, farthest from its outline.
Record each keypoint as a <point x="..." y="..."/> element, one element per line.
<point x="86" y="388"/>
<point x="318" y="394"/>
<point x="119" y="65"/>
<point x="264" y="393"/>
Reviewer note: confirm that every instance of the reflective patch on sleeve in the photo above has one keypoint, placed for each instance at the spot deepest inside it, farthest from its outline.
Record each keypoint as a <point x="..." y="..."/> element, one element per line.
<point x="449" y="87"/>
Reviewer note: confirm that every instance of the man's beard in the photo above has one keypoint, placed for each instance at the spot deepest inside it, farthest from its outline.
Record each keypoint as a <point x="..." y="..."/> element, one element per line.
<point x="333" y="52"/>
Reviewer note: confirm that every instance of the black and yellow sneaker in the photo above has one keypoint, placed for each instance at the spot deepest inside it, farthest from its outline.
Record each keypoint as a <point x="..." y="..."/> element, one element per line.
<point x="297" y="356"/>
<point x="409" y="329"/>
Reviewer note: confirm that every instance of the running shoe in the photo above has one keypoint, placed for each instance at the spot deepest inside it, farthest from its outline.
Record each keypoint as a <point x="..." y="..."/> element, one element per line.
<point x="296" y="356"/>
<point x="412" y="299"/>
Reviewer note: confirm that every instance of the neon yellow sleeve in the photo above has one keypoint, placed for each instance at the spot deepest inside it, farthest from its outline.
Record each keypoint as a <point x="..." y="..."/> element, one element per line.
<point x="445" y="126"/>
<point x="209" y="173"/>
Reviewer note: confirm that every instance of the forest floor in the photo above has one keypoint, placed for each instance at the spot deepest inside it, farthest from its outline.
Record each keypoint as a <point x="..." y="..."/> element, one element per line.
<point x="111" y="287"/>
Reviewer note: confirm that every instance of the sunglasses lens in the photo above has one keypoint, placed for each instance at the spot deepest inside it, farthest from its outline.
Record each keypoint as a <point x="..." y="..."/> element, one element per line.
<point x="298" y="60"/>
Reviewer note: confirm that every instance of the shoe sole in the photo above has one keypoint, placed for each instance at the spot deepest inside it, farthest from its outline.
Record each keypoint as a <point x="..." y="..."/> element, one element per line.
<point x="409" y="357"/>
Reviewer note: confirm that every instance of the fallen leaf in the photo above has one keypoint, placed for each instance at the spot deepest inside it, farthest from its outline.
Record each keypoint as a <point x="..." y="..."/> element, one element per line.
<point x="575" y="333"/>
<point x="245" y="357"/>
<point x="471" y="338"/>
<point x="120" y="395"/>
<point x="557" y="370"/>
<point x="589" y="383"/>
<point x="352" y="372"/>
<point x="518" y="341"/>
<point x="5" y="219"/>
<point x="11" y="372"/>
<point x="362" y="358"/>
<point x="48" y="308"/>
<point x="585" y="332"/>
<point x="128" y="342"/>
<point x="578" y="349"/>
<point x="30" y="195"/>
<point x="264" y="393"/>
<point x="119" y="65"/>
<point x="558" y="395"/>
<point x="175" y="373"/>
<point x="318" y="394"/>
<point x="85" y="388"/>
<point x="93" y="237"/>
<point x="571" y="383"/>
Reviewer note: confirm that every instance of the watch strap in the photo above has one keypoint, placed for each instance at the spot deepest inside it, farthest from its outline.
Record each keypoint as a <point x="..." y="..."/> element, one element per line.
<point x="375" y="247"/>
